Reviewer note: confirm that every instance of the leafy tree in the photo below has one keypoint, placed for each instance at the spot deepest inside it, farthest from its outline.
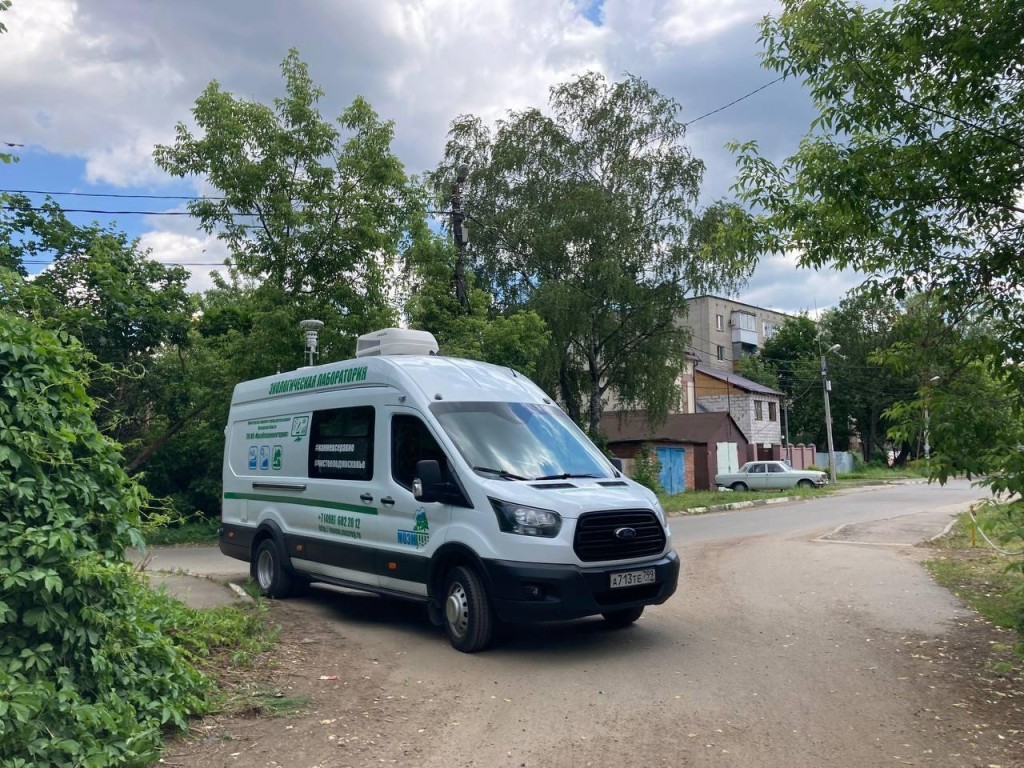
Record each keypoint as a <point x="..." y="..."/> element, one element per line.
<point x="587" y="217"/>
<point x="911" y="170"/>
<point x="516" y="340"/>
<point x="5" y="157"/>
<point x="790" y="362"/>
<point x="127" y="309"/>
<point x="88" y="673"/>
<point x="314" y="213"/>
<point x="865" y="325"/>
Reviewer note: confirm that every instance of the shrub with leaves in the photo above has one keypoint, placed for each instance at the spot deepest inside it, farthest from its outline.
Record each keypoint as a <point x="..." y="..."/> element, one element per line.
<point x="647" y="469"/>
<point x="88" y="676"/>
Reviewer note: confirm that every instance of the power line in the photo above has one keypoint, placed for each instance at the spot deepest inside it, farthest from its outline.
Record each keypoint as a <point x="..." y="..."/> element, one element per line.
<point x="116" y="195"/>
<point x="734" y="101"/>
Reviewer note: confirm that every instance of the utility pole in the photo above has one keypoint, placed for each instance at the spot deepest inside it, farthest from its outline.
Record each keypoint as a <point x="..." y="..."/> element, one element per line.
<point x="826" y="388"/>
<point x="927" y="427"/>
<point x="461" y="237"/>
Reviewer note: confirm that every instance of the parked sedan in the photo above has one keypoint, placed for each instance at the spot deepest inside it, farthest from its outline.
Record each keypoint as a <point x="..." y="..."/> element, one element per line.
<point x="769" y="475"/>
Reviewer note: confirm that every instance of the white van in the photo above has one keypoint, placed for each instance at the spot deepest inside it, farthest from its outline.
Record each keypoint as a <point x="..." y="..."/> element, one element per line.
<point x="451" y="482"/>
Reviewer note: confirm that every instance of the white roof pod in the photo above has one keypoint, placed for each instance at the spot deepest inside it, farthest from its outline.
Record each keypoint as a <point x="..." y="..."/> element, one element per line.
<point x="396" y="341"/>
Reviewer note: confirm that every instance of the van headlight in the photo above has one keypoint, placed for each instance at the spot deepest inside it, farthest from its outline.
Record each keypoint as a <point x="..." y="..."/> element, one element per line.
<point x="659" y="511"/>
<point x="526" y="521"/>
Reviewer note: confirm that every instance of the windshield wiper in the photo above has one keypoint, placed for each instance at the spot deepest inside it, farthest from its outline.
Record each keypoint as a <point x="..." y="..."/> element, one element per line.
<point x="503" y="474"/>
<point x="566" y="476"/>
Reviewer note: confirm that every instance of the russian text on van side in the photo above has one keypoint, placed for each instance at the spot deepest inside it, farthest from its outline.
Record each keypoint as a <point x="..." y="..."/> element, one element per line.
<point x="313" y="381"/>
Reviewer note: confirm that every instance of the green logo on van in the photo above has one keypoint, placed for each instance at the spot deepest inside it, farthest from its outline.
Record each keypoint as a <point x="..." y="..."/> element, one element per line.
<point x="316" y="380"/>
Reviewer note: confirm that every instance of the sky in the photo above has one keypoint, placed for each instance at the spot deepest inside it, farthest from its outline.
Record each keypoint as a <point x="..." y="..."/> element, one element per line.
<point x="88" y="87"/>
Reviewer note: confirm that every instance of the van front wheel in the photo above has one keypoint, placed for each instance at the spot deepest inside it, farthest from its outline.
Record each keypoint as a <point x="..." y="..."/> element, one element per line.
<point x="468" y="617"/>
<point x="269" y="572"/>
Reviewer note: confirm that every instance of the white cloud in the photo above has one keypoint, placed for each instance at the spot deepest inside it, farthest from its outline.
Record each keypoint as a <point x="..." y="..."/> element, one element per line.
<point x="200" y="254"/>
<point x="105" y="80"/>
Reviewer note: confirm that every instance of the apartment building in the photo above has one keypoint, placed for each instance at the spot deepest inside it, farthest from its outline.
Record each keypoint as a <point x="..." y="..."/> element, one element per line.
<point x="725" y="330"/>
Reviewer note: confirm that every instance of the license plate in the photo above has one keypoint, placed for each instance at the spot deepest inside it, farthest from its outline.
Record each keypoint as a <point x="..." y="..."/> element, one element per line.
<point x="632" y="578"/>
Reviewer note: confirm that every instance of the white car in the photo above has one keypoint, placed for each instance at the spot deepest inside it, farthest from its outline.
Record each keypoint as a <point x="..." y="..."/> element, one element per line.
<point x="769" y="475"/>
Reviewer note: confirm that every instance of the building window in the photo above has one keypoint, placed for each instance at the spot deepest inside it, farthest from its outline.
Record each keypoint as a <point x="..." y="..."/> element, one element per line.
<point x="721" y="352"/>
<point x="768" y="329"/>
<point x="744" y="321"/>
<point x="772" y="415"/>
<point x="719" y="323"/>
<point x="758" y="411"/>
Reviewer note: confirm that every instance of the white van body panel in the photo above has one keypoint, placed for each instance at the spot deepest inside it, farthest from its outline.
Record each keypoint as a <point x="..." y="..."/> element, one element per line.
<point x="317" y="460"/>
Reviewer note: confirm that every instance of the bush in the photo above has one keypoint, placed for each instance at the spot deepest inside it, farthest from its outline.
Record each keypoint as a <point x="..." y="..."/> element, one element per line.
<point x="647" y="469"/>
<point x="88" y="676"/>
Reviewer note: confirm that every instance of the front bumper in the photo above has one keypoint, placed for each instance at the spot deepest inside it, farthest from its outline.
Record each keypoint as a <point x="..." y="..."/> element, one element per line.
<point x="528" y="592"/>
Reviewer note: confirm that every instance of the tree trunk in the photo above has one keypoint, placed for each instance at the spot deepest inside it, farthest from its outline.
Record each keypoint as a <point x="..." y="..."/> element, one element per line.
<point x="147" y="453"/>
<point x="569" y="394"/>
<point x="595" y="390"/>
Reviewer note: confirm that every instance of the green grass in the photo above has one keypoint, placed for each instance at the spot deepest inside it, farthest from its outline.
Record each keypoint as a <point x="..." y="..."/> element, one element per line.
<point x="190" y="532"/>
<point x="682" y="502"/>
<point x="992" y="583"/>
<point x="884" y="473"/>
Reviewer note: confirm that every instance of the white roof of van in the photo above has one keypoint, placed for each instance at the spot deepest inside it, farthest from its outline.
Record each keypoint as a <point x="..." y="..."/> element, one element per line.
<point x="454" y="379"/>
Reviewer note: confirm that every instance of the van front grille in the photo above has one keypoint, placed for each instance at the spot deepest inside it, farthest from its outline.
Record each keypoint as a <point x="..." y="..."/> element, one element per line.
<point x="597" y="539"/>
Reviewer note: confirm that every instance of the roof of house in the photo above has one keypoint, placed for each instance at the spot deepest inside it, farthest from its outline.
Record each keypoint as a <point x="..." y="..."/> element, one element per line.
<point x="736" y="380"/>
<point x="742" y="303"/>
<point x="633" y="427"/>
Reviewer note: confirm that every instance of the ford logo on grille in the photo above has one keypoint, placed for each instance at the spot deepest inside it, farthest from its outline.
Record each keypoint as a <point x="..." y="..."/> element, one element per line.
<point x="625" y="533"/>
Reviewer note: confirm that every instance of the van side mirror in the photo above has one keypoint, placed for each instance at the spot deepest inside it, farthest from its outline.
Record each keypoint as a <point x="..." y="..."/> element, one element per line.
<point x="426" y="481"/>
<point x="617" y="463"/>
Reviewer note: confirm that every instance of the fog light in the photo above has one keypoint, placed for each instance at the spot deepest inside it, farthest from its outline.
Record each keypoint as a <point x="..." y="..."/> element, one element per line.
<point x="533" y="591"/>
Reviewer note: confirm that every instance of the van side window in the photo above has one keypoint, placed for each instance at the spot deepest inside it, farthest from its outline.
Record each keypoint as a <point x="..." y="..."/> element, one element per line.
<point x="341" y="444"/>
<point x="411" y="441"/>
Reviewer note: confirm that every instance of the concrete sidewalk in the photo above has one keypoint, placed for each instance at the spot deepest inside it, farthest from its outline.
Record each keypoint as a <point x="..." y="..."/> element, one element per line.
<point x="198" y="591"/>
<point x="198" y="576"/>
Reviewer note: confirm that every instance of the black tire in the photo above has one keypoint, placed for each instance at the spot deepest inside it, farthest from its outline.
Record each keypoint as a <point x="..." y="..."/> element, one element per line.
<point x="739" y="486"/>
<point x="805" y="483"/>
<point x="269" y="571"/>
<point x="469" y="620"/>
<point x="623" y="618"/>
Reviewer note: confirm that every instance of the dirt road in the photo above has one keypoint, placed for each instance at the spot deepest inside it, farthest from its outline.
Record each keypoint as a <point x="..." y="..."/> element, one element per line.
<point x="778" y="650"/>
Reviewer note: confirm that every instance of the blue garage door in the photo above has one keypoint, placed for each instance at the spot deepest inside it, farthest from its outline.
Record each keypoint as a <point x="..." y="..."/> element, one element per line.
<point x="673" y="474"/>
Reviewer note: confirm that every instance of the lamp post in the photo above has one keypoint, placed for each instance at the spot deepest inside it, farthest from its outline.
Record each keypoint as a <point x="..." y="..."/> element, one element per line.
<point x="826" y="386"/>
<point x="461" y="236"/>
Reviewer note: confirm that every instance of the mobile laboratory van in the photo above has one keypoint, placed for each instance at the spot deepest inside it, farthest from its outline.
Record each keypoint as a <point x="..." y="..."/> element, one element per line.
<point x="451" y="482"/>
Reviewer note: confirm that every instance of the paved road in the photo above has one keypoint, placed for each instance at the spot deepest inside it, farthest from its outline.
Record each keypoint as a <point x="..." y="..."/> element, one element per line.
<point x="794" y="640"/>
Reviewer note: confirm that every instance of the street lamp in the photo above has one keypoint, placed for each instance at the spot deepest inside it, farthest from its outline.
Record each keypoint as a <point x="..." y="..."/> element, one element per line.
<point x="460" y="235"/>
<point x="826" y="386"/>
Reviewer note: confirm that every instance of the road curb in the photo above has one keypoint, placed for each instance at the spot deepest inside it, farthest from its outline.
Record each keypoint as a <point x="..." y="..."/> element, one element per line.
<point x="734" y="505"/>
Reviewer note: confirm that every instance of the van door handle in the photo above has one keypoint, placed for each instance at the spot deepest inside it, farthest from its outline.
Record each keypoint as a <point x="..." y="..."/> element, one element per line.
<point x="366" y="497"/>
<point x="387" y="500"/>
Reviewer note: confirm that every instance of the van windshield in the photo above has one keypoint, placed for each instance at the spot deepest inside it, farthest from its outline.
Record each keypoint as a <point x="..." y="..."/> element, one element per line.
<point x="523" y="441"/>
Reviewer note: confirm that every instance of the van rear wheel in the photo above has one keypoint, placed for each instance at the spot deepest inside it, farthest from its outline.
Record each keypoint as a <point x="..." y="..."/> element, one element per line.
<point x="268" y="570"/>
<point x="469" y="620"/>
<point x="623" y="618"/>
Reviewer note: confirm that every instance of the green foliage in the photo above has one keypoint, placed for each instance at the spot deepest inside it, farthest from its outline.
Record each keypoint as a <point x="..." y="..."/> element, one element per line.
<point x="516" y="339"/>
<point x="88" y="676"/>
<point x="587" y="217"/>
<point x="126" y="309"/>
<point x="911" y="174"/>
<point x="314" y="212"/>
<point x="992" y="582"/>
<point x="647" y="469"/>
